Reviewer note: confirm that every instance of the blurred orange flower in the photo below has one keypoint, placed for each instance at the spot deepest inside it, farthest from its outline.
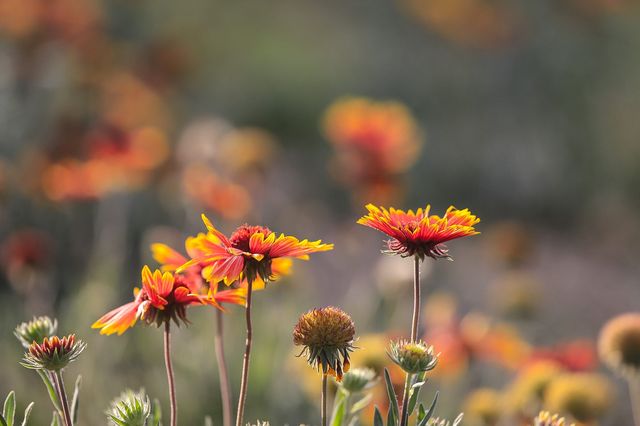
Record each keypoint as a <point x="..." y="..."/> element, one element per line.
<point x="418" y="234"/>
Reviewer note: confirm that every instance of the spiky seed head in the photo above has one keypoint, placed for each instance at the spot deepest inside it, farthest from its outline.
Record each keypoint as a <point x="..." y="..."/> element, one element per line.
<point x="619" y="345"/>
<point x="545" y="418"/>
<point x="53" y="353"/>
<point x="413" y="357"/>
<point x="35" y="330"/>
<point x="130" y="409"/>
<point x="326" y="335"/>
<point x="358" y="379"/>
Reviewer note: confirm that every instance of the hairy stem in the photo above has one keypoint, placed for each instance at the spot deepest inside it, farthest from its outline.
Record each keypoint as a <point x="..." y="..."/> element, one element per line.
<point x="416" y="298"/>
<point x="225" y="391"/>
<point x="323" y="412"/>
<point x="62" y="394"/>
<point x="245" y="362"/>
<point x="167" y="361"/>
<point x="634" y="392"/>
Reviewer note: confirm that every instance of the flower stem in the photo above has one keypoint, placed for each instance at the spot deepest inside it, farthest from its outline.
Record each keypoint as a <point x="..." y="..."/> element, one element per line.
<point x="404" y="418"/>
<point x="167" y="361"/>
<point x="634" y="392"/>
<point x="62" y="394"/>
<point x="225" y="391"/>
<point x="416" y="298"/>
<point x="323" y="412"/>
<point x="245" y="362"/>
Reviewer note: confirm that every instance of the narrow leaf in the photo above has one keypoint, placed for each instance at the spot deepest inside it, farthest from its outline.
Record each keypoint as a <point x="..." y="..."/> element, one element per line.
<point x="377" y="418"/>
<point x="421" y="412"/>
<point x="394" y="411"/>
<point x="429" y="412"/>
<point x="75" y="400"/>
<point x="52" y="392"/>
<point x="27" y="414"/>
<point x="413" y="399"/>
<point x="338" y="413"/>
<point x="157" y="413"/>
<point x="9" y="409"/>
<point x="56" y="421"/>
<point x="361" y="404"/>
<point x="3" y="422"/>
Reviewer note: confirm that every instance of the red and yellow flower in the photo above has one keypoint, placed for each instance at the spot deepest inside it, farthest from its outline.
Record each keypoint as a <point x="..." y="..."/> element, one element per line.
<point x="254" y="253"/>
<point x="162" y="298"/>
<point x="418" y="233"/>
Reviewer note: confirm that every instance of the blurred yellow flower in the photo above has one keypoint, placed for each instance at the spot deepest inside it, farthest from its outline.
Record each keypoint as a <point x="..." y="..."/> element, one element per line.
<point x="619" y="345"/>
<point x="584" y="396"/>
<point x="483" y="407"/>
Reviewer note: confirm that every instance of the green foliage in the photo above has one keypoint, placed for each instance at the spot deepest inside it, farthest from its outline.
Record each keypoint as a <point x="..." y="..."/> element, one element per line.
<point x="8" y="417"/>
<point x="130" y="409"/>
<point x="349" y="400"/>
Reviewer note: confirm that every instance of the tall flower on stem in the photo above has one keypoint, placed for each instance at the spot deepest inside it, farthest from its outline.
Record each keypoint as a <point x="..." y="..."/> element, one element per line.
<point x="419" y="235"/>
<point x="248" y="254"/>
<point x="164" y="297"/>
<point x="53" y="355"/>
<point x="326" y="336"/>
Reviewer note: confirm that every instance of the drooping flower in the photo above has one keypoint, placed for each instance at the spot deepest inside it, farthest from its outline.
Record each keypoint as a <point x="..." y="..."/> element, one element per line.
<point x="417" y="233"/>
<point x="249" y="253"/>
<point x="35" y="330"/>
<point x="413" y="357"/>
<point x="619" y="345"/>
<point x="326" y="335"/>
<point x="53" y="353"/>
<point x="162" y="298"/>
<point x="130" y="409"/>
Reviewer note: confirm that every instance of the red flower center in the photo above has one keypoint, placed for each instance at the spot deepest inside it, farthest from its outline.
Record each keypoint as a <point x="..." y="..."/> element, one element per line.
<point x="240" y="238"/>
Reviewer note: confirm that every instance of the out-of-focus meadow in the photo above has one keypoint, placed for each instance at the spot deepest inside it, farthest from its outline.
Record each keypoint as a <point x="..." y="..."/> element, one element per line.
<point x="121" y="121"/>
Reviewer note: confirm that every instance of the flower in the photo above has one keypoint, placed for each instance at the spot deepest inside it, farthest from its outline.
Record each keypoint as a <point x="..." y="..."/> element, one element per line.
<point x="483" y="407"/>
<point x="163" y="297"/>
<point x="130" y="409"/>
<point x="35" y="330"/>
<point x="358" y="379"/>
<point x="53" y="353"/>
<point x="327" y="337"/>
<point x="547" y="419"/>
<point x="413" y="357"/>
<point x="249" y="253"/>
<point x="619" y="344"/>
<point x="585" y="396"/>
<point x="526" y="393"/>
<point x="417" y="233"/>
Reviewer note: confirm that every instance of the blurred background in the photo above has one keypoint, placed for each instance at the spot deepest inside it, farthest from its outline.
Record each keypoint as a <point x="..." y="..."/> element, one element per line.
<point x="121" y="121"/>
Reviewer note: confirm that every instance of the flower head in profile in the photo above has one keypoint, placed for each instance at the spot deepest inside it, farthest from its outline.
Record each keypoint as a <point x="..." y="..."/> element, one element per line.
<point x="358" y="379"/>
<point x="35" y="330"/>
<point x="130" y="409"/>
<point x="545" y="418"/>
<point x="413" y="357"/>
<point x="249" y="253"/>
<point x="53" y="353"/>
<point x="326" y="335"/>
<point x="619" y="344"/>
<point x="162" y="298"/>
<point x="418" y="233"/>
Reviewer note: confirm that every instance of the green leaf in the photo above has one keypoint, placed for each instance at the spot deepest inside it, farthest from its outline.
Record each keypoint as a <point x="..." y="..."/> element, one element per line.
<point x="413" y="398"/>
<point x="394" y="411"/>
<point x="429" y="412"/>
<point x="9" y="409"/>
<point x="56" y="421"/>
<point x="338" y="413"/>
<point x="3" y="422"/>
<point x="156" y="416"/>
<point x="361" y="404"/>
<point x="27" y="414"/>
<point x="377" y="417"/>
<point x="52" y="392"/>
<point x="75" y="400"/>
<point x="421" y="412"/>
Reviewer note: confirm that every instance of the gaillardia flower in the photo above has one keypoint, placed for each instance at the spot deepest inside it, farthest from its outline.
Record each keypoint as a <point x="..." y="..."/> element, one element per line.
<point x="358" y="379"/>
<point x="413" y="357"/>
<point x="545" y="418"/>
<point x="35" y="330"/>
<point x="585" y="396"/>
<point x="417" y="233"/>
<point x="619" y="345"/>
<point x="327" y="337"/>
<point x="53" y="354"/>
<point x="248" y="253"/>
<point x="130" y="409"/>
<point x="163" y="297"/>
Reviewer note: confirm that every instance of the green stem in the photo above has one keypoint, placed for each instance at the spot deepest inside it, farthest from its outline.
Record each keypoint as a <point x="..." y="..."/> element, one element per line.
<point x="404" y="418"/>
<point x="225" y="390"/>
<point x="245" y="362"/>
<point x="62" y="394"/>
<point x="323" y="413"/>
<point x="170" y="380"/>
<point x="416" y="298"/>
